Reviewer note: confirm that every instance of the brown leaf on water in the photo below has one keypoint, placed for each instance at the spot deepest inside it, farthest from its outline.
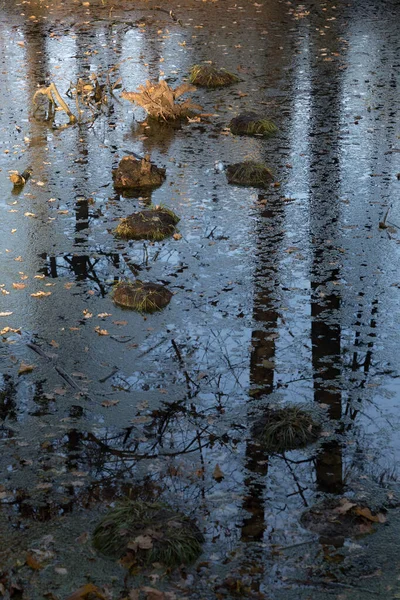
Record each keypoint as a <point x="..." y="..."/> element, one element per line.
<point x="108" y="403"/>
<point x="33" y="563"/>
<point x="41" y="294"/>
<point x="344" y="506"/>
<point x="152" y="593"/>
<point x="87" y="592"/>
<point x="101" y="331"/>
<point x="25" y="368"/>
<point x="366" y="513"/>
<point x="217" y="473"/>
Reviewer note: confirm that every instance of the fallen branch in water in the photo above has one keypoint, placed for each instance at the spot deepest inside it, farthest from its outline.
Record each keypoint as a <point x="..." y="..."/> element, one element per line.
<point x="52" y="93"/>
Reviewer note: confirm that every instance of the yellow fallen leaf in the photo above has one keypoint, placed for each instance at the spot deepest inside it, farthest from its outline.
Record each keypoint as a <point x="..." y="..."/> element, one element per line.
<point x="366" y="513"/>
<point x="25" y="368"/>
<point x="6" y="313"/>
<point x="9" y="330"/>
<point x="104" y="315"/>
<point x="19" y="286"/>
<point x="29" y="214"/>
<point x="40" y="294"/>
<point x="40" y="276"/>
<point x="177" y="236"/>
<point x="101" y="331"/>
<point x="13" y="230"/>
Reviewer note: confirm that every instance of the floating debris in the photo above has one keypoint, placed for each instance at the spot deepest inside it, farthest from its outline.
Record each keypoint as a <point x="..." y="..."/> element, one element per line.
<point x="341" y="517"/>
<point x="211" y="77"/>
<point x="287" y="428"/>
<point x="19" y="179"/>
<point x="148" y="533"/>
<point x="251" y="123"/>
<point x="159" y="100"/>
<point x="154" y="224"/>
<point x="133" y="173"/>
<point x="143" y="297"/>
<point x="249" y="173"/>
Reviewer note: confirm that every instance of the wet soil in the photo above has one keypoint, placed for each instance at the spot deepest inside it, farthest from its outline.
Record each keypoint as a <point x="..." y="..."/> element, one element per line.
<point x="289" y="296"/>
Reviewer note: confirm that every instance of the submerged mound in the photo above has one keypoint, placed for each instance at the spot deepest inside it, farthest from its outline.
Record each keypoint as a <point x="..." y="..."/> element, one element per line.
<point x="251" y="123"/>
<point x="249" y="173"/>
<point x="143" y="297"/>
<point x="211" y="77"/>
<point x="133" y="173"/>
<point x="341" y="517"/>
<point x="154" y="224"/>
<point x="150" y="532"/>
<point x="281" y="429"/>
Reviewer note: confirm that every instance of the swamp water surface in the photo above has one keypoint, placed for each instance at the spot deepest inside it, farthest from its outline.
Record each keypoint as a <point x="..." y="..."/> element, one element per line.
<point x="291" y="296"/>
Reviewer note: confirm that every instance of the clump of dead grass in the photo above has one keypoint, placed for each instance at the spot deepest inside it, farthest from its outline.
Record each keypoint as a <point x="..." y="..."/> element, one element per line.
<point x="288" y="428"/>
<point x="142" y="297"/>
<point x="251" y="123"/>
<point x="211" y="77"/>
<point x="249" y="173"/>
<point x="153" y="224"/>
<point x="149" y="532"/>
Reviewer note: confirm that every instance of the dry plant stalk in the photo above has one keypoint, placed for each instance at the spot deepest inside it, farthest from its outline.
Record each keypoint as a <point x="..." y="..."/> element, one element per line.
<point x="53" y="95"/>
<point x="159" y="100"/>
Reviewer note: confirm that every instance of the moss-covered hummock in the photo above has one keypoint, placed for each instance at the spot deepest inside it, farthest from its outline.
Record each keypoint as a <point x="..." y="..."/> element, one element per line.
<point x="249" y="173"/>
<point x="211" y="77"/>
<point x="143" y="297"/>
<point x="151" y="532"/>
<point x="154" y="224"/>
<point x="133" y="173"/>
<point x="251" y="123"/>
<point x="281" y="429"/>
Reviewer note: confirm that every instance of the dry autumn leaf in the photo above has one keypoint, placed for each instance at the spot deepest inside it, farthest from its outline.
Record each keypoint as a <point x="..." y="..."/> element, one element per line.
<point x="217" y="473"/>
<point x="40" y="294"/>
<point x="86" y="592"/>
<point x="25" y="368"/>
<point x="366" y="513"/>
<point x="33" y="563"/>
<point x="19" y="286"/>
<point x="6" y="313"/>
<point x="108" y="403"/>
<point x="101" y="331"/>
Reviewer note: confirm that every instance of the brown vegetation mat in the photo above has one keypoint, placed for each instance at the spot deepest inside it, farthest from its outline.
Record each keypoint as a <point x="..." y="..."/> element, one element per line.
<point x="143" y="297"/>
<point x="133" y="173"/>
<point x="155" y="224"/>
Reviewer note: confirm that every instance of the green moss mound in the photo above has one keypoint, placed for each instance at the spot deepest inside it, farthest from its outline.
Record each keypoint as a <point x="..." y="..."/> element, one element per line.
<point x="152" y="532"/>
<point x="288" y="428"/>
<point x="251" y="123"/>
<point x="154" y="224"/>
<point x="249" y="173"/>
<point x="133" y="173"/>
<point x="142" y="297"/>
<point x="211" y="77"/>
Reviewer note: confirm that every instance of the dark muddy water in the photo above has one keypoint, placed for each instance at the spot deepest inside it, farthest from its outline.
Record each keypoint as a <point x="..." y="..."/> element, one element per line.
<point x="289" y="296"/>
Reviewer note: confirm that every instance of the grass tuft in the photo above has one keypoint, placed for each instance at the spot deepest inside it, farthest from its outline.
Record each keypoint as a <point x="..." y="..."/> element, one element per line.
<point x="211" y="77"/>
<point x="151" y="532"/>
<point x="286" y="428"/>
<point x="155" y="223"/>
<point x="249" y="173"/>
<point x="251" y="123"/>
<point x="142" y="297"/>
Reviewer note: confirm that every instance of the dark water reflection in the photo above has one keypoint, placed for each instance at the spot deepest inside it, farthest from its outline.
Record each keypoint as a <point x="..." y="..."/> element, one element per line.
<point x="287" y="297"/>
